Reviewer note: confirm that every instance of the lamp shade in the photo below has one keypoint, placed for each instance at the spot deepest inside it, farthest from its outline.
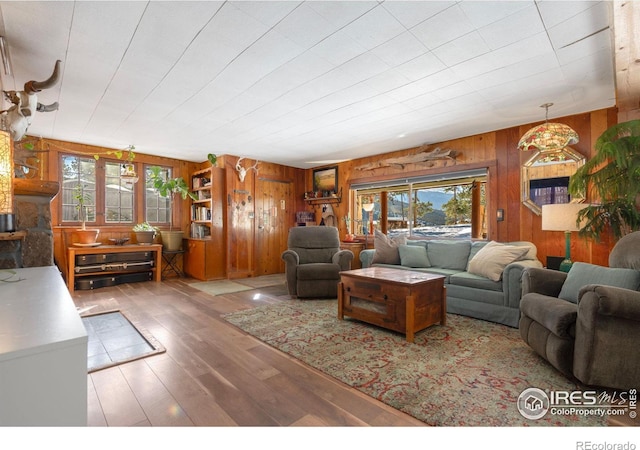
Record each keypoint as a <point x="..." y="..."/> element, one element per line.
<point x="561" y="216"/>
<point x="6" y="173"/>
<point x="548" y="136"/>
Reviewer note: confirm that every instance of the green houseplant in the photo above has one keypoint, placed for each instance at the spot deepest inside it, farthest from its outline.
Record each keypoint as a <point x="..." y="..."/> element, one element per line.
<point x="169" y="188"/>
<point x="84" y="235"/>
<point x="613" y="174"/>
<point x="145" y="233"/>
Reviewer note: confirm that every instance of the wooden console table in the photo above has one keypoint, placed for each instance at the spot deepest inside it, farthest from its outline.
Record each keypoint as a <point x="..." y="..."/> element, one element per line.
<point x="401" y="300"/>
<point x="74" y="251"/>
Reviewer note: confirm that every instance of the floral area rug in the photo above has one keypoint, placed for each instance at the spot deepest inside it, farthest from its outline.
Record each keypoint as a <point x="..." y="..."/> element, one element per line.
<point x="467" y="373"/>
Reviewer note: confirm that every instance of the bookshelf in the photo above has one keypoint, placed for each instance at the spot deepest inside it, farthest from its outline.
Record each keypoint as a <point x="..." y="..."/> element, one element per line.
<point x="201" y="216"/>
<point x="204" y="257"/>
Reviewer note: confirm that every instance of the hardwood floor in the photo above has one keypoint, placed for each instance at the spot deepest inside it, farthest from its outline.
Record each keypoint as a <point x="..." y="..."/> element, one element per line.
<point x="213" y="374"/>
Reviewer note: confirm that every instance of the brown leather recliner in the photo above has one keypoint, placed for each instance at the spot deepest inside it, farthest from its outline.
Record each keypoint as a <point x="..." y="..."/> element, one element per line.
<point x="586" y="323"/>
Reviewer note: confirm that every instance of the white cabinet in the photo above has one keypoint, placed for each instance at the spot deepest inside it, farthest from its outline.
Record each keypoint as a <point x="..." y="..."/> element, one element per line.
<point x="43" y="351"/>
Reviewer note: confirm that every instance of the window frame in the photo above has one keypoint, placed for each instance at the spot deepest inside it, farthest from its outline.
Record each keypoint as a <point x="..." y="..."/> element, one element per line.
<point x="145" y="196"/>
<point x="63" y="190"/>
<point x="381" y="190"/>
<point x="119" y="207"/>
<point x="140" y="194"/>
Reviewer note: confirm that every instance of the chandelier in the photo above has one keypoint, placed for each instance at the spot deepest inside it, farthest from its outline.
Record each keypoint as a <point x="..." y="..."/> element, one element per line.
<point x="128" y="172"/>
<point x="549" y="135"/>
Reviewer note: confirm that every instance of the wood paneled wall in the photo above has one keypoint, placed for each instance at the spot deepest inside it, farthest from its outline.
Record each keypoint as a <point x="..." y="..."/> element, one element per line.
<point x="260" y="211"/>
<point x="251" y="250"/>
<point x="498" y="152"/>
<point x="50" y="171"/>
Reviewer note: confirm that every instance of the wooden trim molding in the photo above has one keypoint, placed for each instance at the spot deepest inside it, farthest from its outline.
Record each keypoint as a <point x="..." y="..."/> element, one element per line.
<point x="626" y="17"/>
<point x="22" y="186"/>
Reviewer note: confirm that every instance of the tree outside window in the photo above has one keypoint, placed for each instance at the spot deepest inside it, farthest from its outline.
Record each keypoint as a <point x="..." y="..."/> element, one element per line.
<point x="157" y="208"/>
<point x="119" y="196"/>
<point x="109" y="199"/>
<point x="78" y="178"/>
<point x="426" y="209"/>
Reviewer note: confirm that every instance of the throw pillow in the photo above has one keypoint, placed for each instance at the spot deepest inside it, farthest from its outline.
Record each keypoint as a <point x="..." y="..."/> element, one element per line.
<point x="491" y="260"/>
<point x="413" y="256"/>
<point x="386" y="249"/>
<point x="449" y="254"/>
<point x="582" y="274"/>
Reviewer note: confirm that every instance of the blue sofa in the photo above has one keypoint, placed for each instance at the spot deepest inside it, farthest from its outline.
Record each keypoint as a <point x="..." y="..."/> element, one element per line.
<point x="468" y="294"/>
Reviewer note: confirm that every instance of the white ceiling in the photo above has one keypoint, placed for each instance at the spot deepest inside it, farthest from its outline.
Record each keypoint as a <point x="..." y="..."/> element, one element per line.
<point x="304" y="83"/>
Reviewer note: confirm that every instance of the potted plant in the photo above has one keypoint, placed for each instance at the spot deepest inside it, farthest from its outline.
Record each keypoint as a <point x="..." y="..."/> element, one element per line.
<point x="84" y="235"/>
<point x="614" y="175"/>
<point x="169" y="188"/>
<point x="145" y="233"/>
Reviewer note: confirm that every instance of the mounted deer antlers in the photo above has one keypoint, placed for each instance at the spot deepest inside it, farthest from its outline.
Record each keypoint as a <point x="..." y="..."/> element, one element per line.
<point x="242" y="172"/>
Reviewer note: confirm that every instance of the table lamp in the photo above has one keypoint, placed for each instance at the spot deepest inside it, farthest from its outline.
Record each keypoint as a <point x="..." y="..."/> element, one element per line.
<point x="368" y="207"/>
<point x="562" y="217"/>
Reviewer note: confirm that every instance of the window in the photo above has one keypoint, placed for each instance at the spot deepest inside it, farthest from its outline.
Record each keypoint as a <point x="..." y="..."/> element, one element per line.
<point x="157" y="208"/>
<point x="108" y="199"/>
<point x="119" y="196"/>
<point x="78" y="178"/>
<point x="447" y="206"/>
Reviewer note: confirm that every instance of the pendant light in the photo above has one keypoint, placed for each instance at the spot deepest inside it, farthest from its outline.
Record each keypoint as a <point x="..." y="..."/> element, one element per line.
<point x="549" y="135"/>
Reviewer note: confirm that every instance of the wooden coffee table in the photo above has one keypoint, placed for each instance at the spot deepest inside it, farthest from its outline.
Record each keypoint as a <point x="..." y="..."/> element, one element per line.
<point x="401" y="300"/>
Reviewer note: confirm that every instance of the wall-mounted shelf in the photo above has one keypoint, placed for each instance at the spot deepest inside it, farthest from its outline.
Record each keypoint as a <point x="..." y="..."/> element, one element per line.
<point x="13" y="235"/>
<point x="335" y="199"/>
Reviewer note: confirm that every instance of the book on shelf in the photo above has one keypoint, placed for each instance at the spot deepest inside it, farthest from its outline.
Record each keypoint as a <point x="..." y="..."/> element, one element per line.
<point x="200" y="182"/>
<point x="203" y="195"/>
<point x="200" y="212"/>
<point x="200" y="231"/>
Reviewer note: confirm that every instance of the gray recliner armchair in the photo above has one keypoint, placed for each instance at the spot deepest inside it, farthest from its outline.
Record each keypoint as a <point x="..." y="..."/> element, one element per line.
<point x="313" y="262"/>
<point x="586" y="323"/>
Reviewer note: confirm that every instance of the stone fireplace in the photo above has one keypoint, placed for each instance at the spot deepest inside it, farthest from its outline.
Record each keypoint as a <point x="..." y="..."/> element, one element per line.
<point x="32" y="243"/>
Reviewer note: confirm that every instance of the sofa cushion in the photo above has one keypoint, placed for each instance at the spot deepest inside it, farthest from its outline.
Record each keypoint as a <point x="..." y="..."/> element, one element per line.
<point x="446" y="273"/>
<point x="413" y="256"/>
<point x="491" y="260"/>
<point x="582" y="274"/>
<point x="476" y="246"/>
<point x="419" y="242"/>
<point x="449" y="254"/>
<point x="475" y="281"/>
<point x="386" y="249"/>
<point x="530" y="254"/>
